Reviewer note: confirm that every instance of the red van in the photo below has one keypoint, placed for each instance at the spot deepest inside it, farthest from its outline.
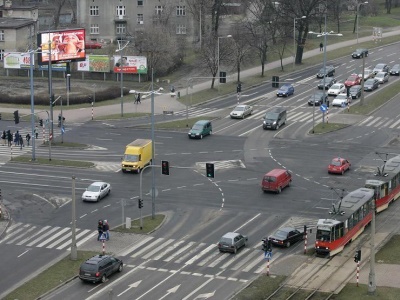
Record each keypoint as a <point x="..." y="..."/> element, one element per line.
<point x="276" y="180"/>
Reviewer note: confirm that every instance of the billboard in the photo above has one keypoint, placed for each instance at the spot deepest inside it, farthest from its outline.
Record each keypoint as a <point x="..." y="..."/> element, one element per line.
<point x="95" y="63"/>
<point x="63" y="46"/>
<point x="17" y="60"/>
<point x="61" y="67"/>
<point x="130" y="64"/>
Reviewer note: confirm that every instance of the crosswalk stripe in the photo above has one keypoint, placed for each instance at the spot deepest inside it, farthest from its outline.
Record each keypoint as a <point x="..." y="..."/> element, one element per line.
<point x="244" y="261"/>
<point x="78" y="236"/>
<point x="236" y="257"/>
<point x="184" y="248"/>
<point x="199" y="255"/>
<point x="218" y="260"/>
<point x="373" y="121"/>
<point x="137" y="245"/>
<point x="56" y="235"/>
<point x="190" y="252"/>
<point x="264" y="265"/>
<point x="387" y="123"/>
<point x="25" y="233"/>
<point x="394" y="124"/>
<point x="11" y="234"/>
<point x="208" y="258"/>
<point x="82" y="241"/>
<point x="157" y="249"/>
<point x="365" y="121"/>
<point x="61" y="239"/>
<point x="152" y="245"/>
<point x="43" y="236"/>
<point x="168" y="250"/>
<point x="33" y="235"/>
<point x="254" y="262"/>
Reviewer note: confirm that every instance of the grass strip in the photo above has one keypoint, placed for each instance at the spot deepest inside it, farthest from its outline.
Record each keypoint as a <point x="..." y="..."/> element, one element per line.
<point x="53" y="162"/>
<point x="149" y="225"/>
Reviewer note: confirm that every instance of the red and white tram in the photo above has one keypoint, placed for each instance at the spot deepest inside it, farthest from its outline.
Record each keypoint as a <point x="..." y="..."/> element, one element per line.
<point x="386" y="186"/>
<point x="346" y="223"/>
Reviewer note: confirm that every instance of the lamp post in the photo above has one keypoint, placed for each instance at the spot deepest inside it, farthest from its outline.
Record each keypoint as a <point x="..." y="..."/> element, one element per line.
<point x="120" y="49"/>
<point x="294" y="37"/>
<point x="220" y="37"/>
<point x="358" y="9"/>
<point x="51" y="95"/>
<point x="32" y="103"/>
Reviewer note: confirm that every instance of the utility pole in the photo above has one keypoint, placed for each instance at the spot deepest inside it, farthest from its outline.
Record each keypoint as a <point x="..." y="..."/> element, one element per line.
<point x="74" y="250"/>
<point x="371" y="277"/>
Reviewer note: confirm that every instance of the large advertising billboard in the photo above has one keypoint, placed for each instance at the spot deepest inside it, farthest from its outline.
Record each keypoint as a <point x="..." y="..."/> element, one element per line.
<point x="130" y="64"/>
<point x="17" y="60"/>
<point x="95" y="63"/>
<point x="63" y="46"/>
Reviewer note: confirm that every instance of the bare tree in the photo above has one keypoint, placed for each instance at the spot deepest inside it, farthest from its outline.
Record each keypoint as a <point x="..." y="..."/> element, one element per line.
<point x="388" y="6"/>
<point x="58" y="6"/>
<point x="241" y="48"/>
<point x="283" y="39"/>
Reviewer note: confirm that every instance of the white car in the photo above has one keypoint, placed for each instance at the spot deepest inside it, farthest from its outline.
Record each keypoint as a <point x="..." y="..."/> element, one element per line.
<point x="96" y="191"/>
<point x="336" y="89"/>
<point x="367" y="74"/>
<point x="340" y="100"/>
<point x="241" y="111"/>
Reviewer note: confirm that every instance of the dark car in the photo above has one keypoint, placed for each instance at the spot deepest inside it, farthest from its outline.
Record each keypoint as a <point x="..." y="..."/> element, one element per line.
<point x="355" y="91"/>
<point x="285" y="90"/>
<point x="380" y="68"/>
<point x="328" y="83"/>
<point x="317" y="99"/>
<point x="232" y="242"/>
<point x="99" y="267"/>
<point x="329" y="71"/>
<point x="395" y="70"/>
<point x="371" y="84"/>
<point x="359" y="53"/>
<point x="286" y="236"/>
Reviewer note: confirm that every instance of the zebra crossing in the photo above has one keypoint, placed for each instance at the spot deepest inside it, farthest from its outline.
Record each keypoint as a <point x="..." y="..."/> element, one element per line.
<point x="304" y="116"/>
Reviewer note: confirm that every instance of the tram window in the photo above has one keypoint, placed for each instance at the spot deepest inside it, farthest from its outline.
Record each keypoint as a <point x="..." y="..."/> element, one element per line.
<point x="351" y="222"/>
<point x="361" y="215"/>
<point x="338" y="231"/>
<point x="323" y="235"/>
<point x="365" y="209"/>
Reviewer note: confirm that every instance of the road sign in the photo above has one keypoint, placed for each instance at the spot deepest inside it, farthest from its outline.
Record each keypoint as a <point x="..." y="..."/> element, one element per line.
<point x="268" y="254"/>
<point x="323" y="108"/>
<point x="103" y="237"/>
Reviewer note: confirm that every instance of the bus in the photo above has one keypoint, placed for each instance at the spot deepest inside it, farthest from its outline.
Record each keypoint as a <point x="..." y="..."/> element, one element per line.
<point x="347" y="221"/>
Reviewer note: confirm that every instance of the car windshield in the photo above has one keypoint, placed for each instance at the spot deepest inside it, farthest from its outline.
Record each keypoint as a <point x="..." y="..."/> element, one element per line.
<point x="131" y="157"/>
<point x="379" y="75"/>
<point x="271" y="116"/>
<point x="354" y="88"/>
<point x="239" y="108"/>
<point x="369" y="82"/>
<point x="341" y="97"/>
<point x="352" y="78"/>
<point x="359" y="50"/>
<point x="379" y="66"/>
<point x="284" y="88"/>
<point x="335" y="87"/>
<point x="281" y="234"/>
<point x="93" y="188"/>
<point x="335" y="162"/>
<point x="197" y="127"/>
<point x="269" y="179"/>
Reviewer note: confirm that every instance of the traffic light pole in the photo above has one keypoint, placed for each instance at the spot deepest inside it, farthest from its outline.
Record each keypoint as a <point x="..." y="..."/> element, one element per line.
<point x="371" y="277"/>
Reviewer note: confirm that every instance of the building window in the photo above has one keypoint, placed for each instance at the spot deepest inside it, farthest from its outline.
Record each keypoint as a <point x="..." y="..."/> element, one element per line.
<point x="140" y="18"/>
<point x="121" y="28"/>
<point x="181" y="29"/>
<point x="121" y="10"/>
<point x="1" y="54"/>
<point x="181" y="10"/>
<point x="159" y="10"/>
<point x="94" y="28"/>
<point x="94" y="10"/>
<point x="140" y="2"/>
<point x="1" y="35"/>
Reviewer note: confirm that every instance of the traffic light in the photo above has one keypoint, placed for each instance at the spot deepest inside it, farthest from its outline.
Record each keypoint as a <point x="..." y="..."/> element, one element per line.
<point x="222" y="77"/>
<point x="0" y="196"/>
<point x="269" y="245"/>
<point x="210" y="170"/>
<point x="357" y="256"/>
<point x="164" y="167"/>
<point x="0" y="116"/>
<point x="239" y="88"/>
<point x="275" y="81"/>
<point x="305" y="229"/>
<point x="140" y="203"/>
<point x="41" y="122"/>
<point x="16" y="117"/>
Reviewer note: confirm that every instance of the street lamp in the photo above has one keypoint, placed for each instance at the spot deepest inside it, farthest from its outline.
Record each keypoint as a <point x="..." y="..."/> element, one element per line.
<point x="358" y="8"/>
<point x="220" y="37"/>
<point x="294" y="37"/>
<point x="120" y="49"/>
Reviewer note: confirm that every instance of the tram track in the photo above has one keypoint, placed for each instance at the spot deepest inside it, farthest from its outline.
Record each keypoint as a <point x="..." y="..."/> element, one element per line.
<point x="332" y="271"/>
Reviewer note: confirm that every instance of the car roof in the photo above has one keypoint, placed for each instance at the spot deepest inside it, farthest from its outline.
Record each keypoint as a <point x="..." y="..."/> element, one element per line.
<point x="241" y="105"/>
<point x="277" y="109"/>
<point x="230" y="234"/>
<point x="338" y="158"/>
<point x="202" y="122"/>
<point x="381" y="73"/>
<point x="275" y="172"/>
<point x="96" y="259"/>
<point x="96" y="183"/>
<point x="286" y="229"/>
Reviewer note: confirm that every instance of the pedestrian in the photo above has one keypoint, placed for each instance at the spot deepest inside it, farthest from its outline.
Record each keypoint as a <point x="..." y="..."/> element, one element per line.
<point x="4" y="137"/>
<point x="321" y="46"/>
<point x="16" y="139"/>
<point x="21" y="142"/>
<point x="100" y="229"/>
<point x="9" y="137"/>
<point x="138" y="98"/>
<point x="36" y="132"/>
<point x="28" y="138"/>
<point x="106" y="229"/>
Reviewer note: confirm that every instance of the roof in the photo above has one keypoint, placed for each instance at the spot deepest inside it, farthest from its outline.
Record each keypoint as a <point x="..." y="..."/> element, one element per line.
<point x="15" y="23"/>
<point x="201" y="122"/>
<point x="230" y="234"/>
<point x="275" y="172"/>
<point x="139" y="142"/>
<point x="277" y="109"/>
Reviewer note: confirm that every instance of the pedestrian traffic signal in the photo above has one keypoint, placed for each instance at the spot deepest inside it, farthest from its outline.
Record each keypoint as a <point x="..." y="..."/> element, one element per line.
<point x="140" y="203"/>
<point x="41" y="122"/>
<point x="16" y="117"/>
<point x="210" y="170"/>
<point x="357" y="256"/>
<point x="269" y="245"/>
<point x="239" y="88"/>
<point x="165" y="167"/>
<point x="222" y="77"/>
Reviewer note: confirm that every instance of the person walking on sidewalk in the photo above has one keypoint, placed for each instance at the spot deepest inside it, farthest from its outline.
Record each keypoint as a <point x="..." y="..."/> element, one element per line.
<point x="28" y="138"/>
<point x="36" y="132"/>
<point x="9" y="137"/>
<point x="106" y="229"/>
<point x="21" y="142"/>
<point x="321" y="46"/>
<point x="4" y="137"/>
<point x="16" y="139"/>
<point x="100" y="229"/>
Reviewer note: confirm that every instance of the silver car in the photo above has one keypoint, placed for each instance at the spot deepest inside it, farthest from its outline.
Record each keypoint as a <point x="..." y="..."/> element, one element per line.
<point x="232" y="242"/>
<point x="96" y="191"/>
<point x="382" y="77"/>
<point x="241" y="111"/>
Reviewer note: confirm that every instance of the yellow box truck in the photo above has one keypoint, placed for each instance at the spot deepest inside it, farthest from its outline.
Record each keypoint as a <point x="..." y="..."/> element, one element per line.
<point x="137" y="156"/>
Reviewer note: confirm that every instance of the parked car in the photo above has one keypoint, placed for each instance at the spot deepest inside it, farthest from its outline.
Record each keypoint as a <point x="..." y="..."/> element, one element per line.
<point x="382" y="77"/>
<point x="336" y="89"/>
<point x="359" y="53"/>
<point x="96" y="191"/>
<point x="317" y="99"/>
<point x="367" y="74"/>
<point x="99" y="268"/>
<point x="329" y="81"/>
<point x="241" y="111"/>
<point x="355" y="91"/>
<point x="286" y="236"/>
<point x="371" y="84"/>
<point x="200" y="129"/>
<point x="285" y="90"/>
<point x="276" y="180"/>
<point x="340" y="100"/>
<point x="329" y="71"/>
<point x="232" y="242"/>
<point x="395" y="70"/>
<point x="381" y="67"/>
<point x="339" y="165"/>
<point x="353" y="79"/>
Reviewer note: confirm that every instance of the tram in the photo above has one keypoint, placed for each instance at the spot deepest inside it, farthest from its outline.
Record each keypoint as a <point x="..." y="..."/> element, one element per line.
<point x="386" y="184"/>
<point x="347" y="221"/>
